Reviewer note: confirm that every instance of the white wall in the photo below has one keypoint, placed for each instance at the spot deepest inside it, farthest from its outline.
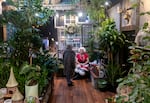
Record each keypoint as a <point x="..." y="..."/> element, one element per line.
<point x="145" y="8"/>
<point x="116" y="16"/>
<point x="0" y="7"/>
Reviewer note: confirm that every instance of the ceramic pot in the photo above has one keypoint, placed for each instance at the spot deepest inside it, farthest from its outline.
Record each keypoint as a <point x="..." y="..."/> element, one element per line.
<point x="31" y="91"/>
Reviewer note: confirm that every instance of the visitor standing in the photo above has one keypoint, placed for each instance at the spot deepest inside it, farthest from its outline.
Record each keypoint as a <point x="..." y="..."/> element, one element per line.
<point x="69" y="64"/>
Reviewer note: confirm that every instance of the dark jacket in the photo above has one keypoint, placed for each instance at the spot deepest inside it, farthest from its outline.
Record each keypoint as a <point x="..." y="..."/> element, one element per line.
<point x="69" y="61"/>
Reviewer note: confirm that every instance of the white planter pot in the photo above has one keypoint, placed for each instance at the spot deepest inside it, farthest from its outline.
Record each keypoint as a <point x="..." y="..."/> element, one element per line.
<point x="55" y="1"/>
<point x="31" y="91"/>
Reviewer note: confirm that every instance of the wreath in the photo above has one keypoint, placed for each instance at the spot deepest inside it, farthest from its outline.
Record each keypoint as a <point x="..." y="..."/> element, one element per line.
<point x="71" y="29"/>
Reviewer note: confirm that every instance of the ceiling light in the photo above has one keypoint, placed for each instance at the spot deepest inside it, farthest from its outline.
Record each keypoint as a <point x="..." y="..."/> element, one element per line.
<point x="107" y="3"/>
<point x="80" y="14"/>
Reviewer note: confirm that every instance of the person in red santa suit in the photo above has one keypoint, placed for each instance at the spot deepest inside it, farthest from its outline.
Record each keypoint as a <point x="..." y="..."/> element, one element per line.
<point x="82" y="64"/>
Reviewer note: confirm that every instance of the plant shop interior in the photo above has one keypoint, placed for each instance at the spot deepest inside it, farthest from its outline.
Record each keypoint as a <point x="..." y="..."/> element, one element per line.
<point x="114" y="35"/>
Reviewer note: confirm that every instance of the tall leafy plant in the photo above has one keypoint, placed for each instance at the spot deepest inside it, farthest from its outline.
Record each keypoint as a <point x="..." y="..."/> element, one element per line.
<point x="49" y="65"/>
<point x="110" y="39"/>
<point x="26" y="18"/>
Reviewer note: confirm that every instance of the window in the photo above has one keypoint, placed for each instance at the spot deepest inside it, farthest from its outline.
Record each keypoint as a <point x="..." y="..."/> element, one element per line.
<point x="59" y="21"/>
<point x="70" y="19"/>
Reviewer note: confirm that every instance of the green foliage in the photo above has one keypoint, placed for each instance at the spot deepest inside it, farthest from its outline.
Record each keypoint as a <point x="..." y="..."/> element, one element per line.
<point x="26" y="19"/>
<point x="49" y="65"/>
<point x="46" y="61"/>
<point x="110" y="39"/>
<point x="43" y="81"/>
<point x="102" y="83"/>
<point x="4" y="74"/>
<point x="143" y="13"/>
<point x="110" y="42"/>
<point x="5" y="65"/>
<point x="92" y="49"/>
<point x="113" y="72"/>
<point x="138" y="78"/>
<point x="29" y="13"/>
<point x="95" y="9"/>
<point x="31" y="73"/>
<point x="20" y="79"/>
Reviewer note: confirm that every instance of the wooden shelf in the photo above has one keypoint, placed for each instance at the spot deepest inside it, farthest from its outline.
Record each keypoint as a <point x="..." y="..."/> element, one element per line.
<point x="129" y="28"/>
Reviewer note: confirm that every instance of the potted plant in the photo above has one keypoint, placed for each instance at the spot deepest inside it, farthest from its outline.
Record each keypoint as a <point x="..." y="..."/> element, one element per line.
<point x="24" y="22"/>
<point x="32" y="75"/>
<point x="49" y="65"/>
<point x="111" y="41"/>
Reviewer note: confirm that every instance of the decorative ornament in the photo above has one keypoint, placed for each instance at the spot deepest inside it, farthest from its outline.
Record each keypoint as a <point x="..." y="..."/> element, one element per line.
<point x="17" y="97"/>
<point x="12" y="83"/>
<point x="71" y="29"/>
<point x="127" y="17"/>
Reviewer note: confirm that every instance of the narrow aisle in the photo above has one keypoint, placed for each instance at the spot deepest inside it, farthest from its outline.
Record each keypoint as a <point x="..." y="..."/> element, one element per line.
<point x="81" y="92"/>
